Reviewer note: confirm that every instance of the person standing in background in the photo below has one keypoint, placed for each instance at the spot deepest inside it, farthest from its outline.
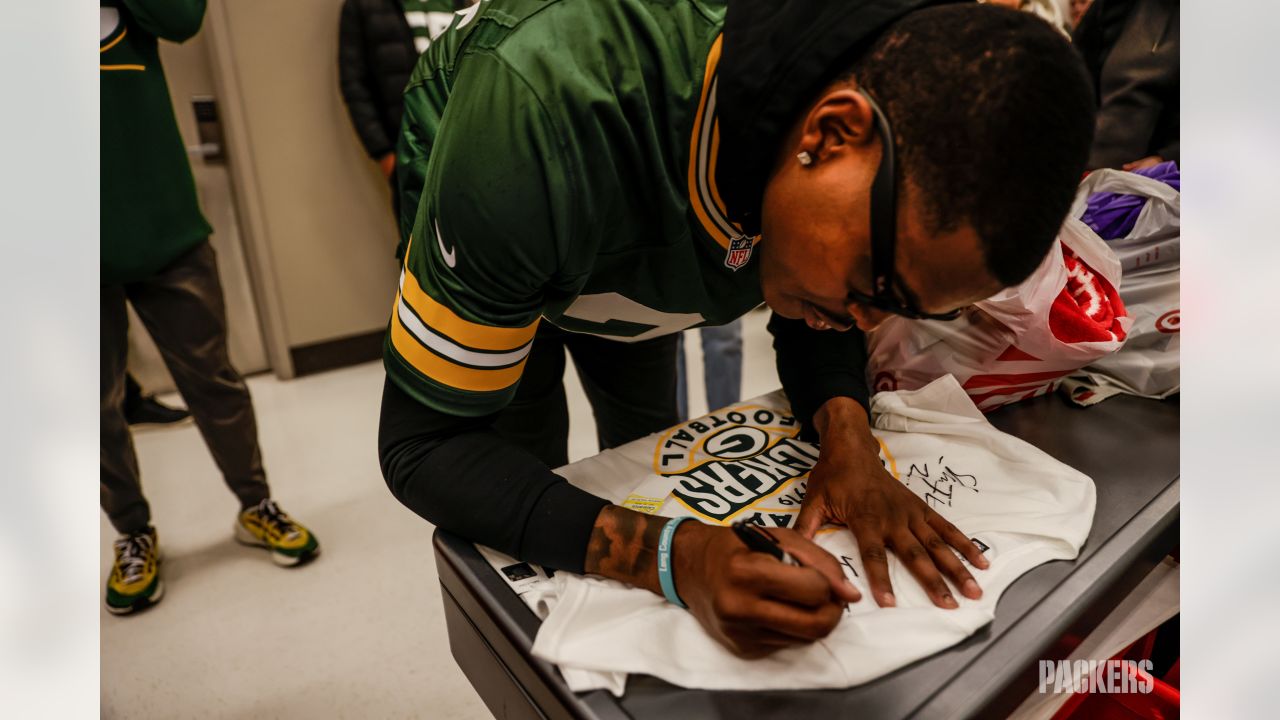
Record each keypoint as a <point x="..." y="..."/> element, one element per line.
<point x="1131" y="49"/>
<point x="379" y="42"/>
<point x="721" y="363"/>
<point x="1078" y="9"/>
<point x="155" y="256"/>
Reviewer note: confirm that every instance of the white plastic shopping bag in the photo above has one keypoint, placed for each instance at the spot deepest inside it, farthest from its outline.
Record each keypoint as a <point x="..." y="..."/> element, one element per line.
<point x="1021" y="342"/>
<point x="1149" y="363"/>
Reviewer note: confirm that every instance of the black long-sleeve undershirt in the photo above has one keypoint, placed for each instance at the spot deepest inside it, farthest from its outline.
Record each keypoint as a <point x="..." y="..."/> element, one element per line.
<point x="460" y="475"/>
<point x="815" y="366"/>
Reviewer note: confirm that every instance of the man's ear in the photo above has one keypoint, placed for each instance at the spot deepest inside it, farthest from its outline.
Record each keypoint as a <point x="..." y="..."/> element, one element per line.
<point x="840" y="120"/>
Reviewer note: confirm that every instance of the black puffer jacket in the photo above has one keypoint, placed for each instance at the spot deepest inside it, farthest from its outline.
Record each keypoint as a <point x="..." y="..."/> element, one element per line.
<point x="375" y="56"/>
<point x="1131" y="48"/>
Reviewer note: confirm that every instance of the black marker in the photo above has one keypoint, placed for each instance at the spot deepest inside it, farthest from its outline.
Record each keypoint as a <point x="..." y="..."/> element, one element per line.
<point x="757" y="539"/>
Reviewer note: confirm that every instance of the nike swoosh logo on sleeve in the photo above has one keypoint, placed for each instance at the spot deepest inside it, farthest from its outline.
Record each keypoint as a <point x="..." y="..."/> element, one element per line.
<point x="450" y="256"/>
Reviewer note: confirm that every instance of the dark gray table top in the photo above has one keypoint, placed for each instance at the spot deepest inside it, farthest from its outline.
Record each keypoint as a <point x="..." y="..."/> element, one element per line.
<point x="1129" y="446"/>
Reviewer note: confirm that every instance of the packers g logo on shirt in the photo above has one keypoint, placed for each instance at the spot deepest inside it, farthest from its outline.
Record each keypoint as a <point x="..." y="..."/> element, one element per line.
<point x="740" y="463"/>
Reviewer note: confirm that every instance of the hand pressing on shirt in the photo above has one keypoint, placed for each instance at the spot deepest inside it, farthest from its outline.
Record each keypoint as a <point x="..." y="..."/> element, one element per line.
<point x="750" y="602"/>
<point x="850" y="486"/>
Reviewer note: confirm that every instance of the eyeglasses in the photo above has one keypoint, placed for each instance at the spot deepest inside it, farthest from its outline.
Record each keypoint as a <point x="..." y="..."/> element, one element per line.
<point x="884" y="220"/>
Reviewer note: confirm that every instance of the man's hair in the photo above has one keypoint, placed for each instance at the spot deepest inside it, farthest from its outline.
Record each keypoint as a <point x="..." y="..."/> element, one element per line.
<point x="992" y="113"/>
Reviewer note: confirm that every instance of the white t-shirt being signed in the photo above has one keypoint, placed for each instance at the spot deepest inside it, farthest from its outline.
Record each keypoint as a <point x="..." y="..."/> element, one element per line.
<point x="744" y="462"/>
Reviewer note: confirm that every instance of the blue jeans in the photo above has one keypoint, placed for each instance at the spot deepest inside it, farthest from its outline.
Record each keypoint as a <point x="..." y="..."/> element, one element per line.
<point x="722" y="367"/>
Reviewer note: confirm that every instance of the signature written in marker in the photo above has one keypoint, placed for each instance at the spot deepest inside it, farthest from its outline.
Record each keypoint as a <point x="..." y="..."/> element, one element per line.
<point x="943" y="486"/>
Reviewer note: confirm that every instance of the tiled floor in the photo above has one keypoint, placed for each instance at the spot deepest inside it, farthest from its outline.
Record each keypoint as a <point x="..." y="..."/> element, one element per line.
<point x="357" y="634"/>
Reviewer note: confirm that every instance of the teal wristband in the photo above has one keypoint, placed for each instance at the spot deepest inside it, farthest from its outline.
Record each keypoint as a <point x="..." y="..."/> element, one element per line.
<point x="665" y="577"/>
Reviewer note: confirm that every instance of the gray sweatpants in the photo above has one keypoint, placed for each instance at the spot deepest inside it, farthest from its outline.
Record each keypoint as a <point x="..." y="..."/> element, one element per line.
<point x="182" y="308"/>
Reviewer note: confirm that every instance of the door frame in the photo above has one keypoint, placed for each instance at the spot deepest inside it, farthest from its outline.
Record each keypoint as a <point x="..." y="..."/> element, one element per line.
<point x="254" y="228"/>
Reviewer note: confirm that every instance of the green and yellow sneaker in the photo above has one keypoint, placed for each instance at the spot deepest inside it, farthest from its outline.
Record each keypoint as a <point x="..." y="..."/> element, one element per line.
<point x="266" y="525"/>
<point x="135" y="579"/>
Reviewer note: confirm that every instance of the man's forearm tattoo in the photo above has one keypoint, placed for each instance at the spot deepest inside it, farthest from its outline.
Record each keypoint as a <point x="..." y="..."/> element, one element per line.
<point x="624" y="545"/>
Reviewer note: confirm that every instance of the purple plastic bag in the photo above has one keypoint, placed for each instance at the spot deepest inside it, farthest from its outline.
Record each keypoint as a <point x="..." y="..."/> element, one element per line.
<point x="1113" y="215"/>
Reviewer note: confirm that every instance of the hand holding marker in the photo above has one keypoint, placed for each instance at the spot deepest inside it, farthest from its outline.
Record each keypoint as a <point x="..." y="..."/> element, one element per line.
<point x="757" y="539"/>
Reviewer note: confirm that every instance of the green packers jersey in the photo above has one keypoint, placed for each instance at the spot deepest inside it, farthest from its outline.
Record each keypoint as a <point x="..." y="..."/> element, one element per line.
<point x="427" y="19"/>
<point x="150" y="215"/>
<point x="560" y="155"/>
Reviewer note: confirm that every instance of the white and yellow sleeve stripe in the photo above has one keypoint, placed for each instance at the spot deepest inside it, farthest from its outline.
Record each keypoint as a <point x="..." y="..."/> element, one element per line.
<point x="453" y="351"/>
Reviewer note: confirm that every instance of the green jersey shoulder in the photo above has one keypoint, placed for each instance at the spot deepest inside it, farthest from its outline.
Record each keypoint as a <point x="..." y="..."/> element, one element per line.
<point x="557" y="162"/>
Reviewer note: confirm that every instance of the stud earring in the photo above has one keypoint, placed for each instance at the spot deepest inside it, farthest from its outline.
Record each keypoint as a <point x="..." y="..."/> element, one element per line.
<point x="805" y="158"/>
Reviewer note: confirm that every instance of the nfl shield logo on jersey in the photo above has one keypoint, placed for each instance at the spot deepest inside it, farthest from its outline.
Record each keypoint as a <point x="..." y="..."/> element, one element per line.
<point x="739" y="253"/>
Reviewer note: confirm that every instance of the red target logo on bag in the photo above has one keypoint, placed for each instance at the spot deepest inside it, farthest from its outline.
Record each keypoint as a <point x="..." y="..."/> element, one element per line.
<point x="885" y="382"/>
<point x="1170" y="322"/>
